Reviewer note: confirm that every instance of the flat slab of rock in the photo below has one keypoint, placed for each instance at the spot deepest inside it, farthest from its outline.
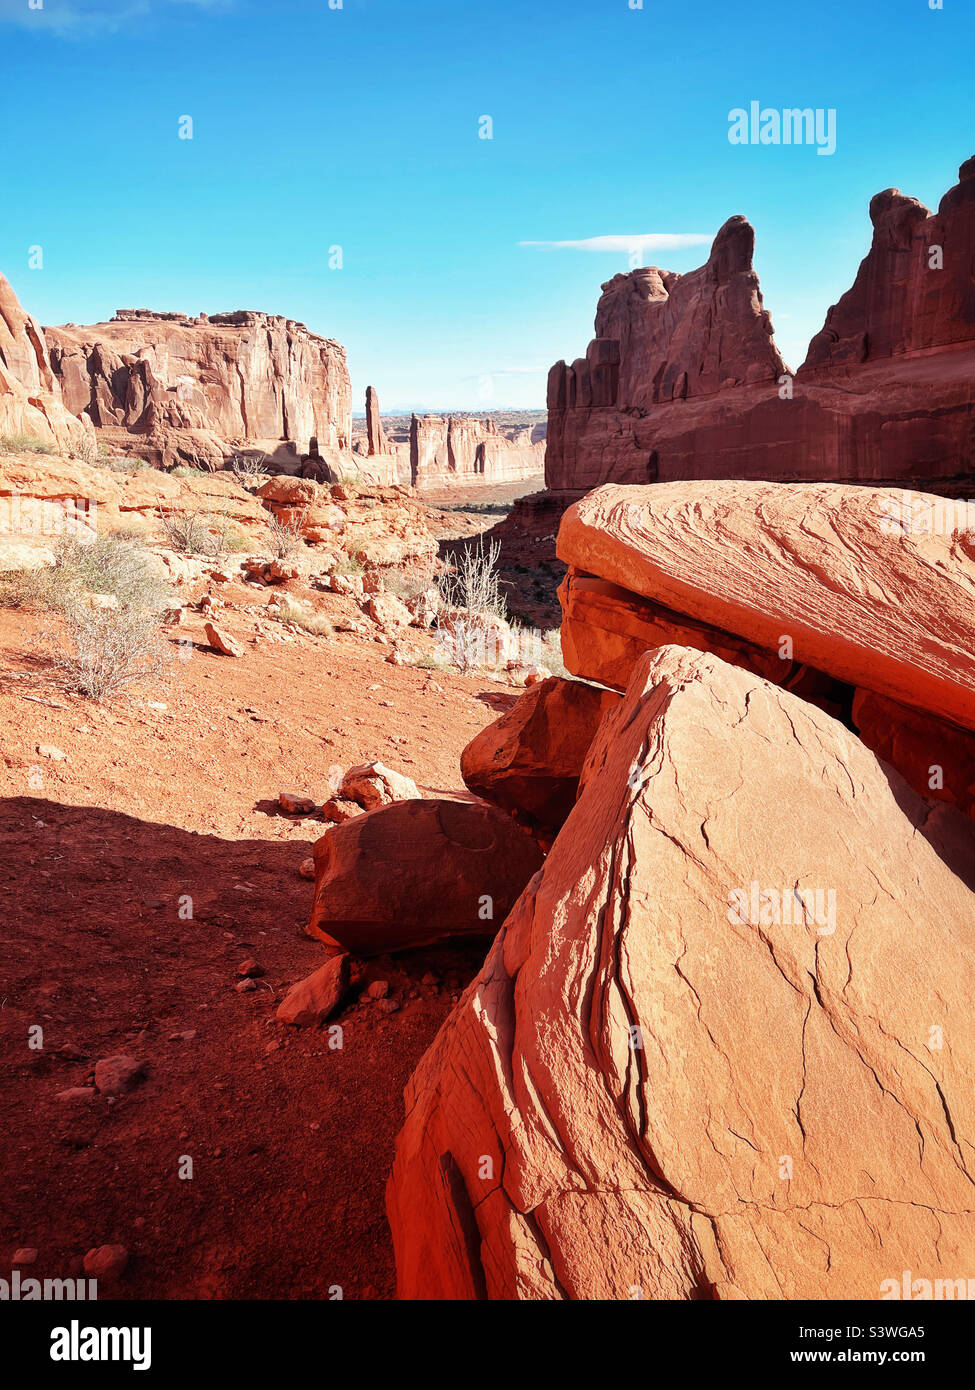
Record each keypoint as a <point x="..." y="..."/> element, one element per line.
<point x="862" y="596"/>
<point x="528" y="762"/>
<point x="416" y="872"/>
<point x="722" y="1046"/>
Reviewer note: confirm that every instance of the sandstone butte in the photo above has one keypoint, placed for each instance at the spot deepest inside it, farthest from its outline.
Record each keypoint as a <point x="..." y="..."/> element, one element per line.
<point x="862" y="599"/>
<point x="658" y="1087"/>
<point x="683" y="378"/>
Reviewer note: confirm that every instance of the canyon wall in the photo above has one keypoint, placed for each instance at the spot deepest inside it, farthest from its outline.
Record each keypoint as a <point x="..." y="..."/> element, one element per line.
<point x="194" y="388"/>
<point x="460" y="449"/>
<point x="683" y="379"/>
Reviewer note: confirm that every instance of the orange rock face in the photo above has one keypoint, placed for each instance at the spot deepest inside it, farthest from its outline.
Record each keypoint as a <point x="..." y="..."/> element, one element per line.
<point x="418" y="871"/>
<point x="835" y="571"/>
<point x="529" y="761"/>
<point x="31" y="402"/>
<point x="722" y="1046"/>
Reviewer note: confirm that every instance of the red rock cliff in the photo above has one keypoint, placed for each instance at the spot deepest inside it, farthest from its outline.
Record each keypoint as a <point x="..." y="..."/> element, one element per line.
<point x="684" y="381"/>
<point x="238" y="378"/>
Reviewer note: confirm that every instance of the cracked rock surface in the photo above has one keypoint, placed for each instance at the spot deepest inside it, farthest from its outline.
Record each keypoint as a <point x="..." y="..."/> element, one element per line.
<point x="722" y="1046"/>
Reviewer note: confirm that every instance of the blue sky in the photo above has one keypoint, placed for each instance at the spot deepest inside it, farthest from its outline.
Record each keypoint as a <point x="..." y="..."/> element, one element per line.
<point x="357" y="127"/>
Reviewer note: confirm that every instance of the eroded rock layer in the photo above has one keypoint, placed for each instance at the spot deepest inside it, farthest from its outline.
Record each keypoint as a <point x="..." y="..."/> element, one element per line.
<point x="818" y="574"/>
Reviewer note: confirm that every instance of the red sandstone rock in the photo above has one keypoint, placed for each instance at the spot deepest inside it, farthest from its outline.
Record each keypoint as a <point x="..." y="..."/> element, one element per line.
<point x="372" y="785"/>
<point x="222" y="642"/>
<point x="31" y="402"/>
<point x="460" y="449"/>
<point x="935" y="757"/>
<point x="606" y="629"/>
<point x="821" y="565"/>
<point x="374" y="424"/>
<point x="191" y="387"/>
<point x="416" y="872"/>
<point x="528" y="762"/>
<point x="913" y="291"/>
<point x="676" y="386"/>
<point x="651" y="1090"/>
<point x="311" y="1001"/>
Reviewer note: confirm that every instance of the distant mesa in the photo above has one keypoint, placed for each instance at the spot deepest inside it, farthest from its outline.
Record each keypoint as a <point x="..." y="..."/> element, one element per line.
<point x="178" y="389"/>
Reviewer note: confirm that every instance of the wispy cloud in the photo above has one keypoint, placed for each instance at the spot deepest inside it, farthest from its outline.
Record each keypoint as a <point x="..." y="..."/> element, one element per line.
<point x="79" y="19"/>
<point x="628" y="245"/>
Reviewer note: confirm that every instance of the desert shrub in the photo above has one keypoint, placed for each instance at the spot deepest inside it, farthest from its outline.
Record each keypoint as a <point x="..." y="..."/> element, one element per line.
<point x="474" y="583"/>
<point x="410" y="580"/>
<point x="100" y="651"/>
<point x="199" y="533"/>
<point x="436" y="660"/>
<point x="115" y="566"/>
<point x="286" y="537"/>
<point x="86" y="449"/>
<point x="120" y="463"/>
<point x="24" y="444"/>
<point x="248" y="469"/>
<point x="348" y="564"/>
<point x="552" y="653"/>
<point x="308" y="619"/>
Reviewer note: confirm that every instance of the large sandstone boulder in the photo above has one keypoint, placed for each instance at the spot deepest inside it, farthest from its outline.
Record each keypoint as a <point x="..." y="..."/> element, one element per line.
<point x="821" y="571"/>
<point x="416" y="872"/>
<point x="722" y="1046"/>
<point x="528" y="762"/>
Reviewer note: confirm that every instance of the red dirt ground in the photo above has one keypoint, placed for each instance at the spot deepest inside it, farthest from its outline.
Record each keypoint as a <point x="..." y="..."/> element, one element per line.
<point x="291" y="1142"/>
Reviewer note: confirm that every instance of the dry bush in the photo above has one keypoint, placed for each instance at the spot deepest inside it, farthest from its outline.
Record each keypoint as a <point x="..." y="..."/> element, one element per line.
<point x="286" y="533"/>
<point x="552" y="653"/>
<point x="474" y="584"/>
<point x="101" y="651"/>
<point x="248" y="469"/>
<point x="411" y="580"/>
<point x="86" y="450"/>
<point x="305" y="617"/>
<point x="116" y="566"/>
<point x="24" y="444"/>
<point x="200" y="533"/>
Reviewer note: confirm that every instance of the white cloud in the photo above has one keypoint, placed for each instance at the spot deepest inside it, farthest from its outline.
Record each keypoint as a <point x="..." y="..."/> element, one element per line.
<point x="89" y="18"/>
<point x="638" y="242"/>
